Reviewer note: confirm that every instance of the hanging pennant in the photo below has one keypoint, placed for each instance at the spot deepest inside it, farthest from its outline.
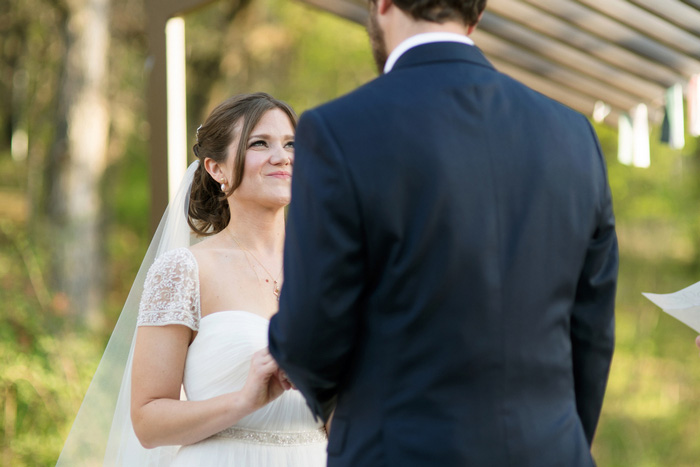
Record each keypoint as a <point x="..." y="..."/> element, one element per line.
<point x="675" y="116"/>
<point x="694" y="105"/>
<point x="625" y="139"/>
<point x="600" y="111"/>
<point x="640" y="131"/>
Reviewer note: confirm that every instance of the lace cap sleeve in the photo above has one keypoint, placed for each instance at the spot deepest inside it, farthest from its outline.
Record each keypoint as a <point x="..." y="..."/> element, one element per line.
<point x="171" y="292"/>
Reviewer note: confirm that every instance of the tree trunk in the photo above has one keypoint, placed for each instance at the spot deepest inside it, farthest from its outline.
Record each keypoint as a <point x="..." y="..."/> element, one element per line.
<point x="78" y="159"/>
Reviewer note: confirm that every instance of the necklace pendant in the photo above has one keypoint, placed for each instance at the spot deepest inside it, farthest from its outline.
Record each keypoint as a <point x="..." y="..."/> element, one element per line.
<point x="276" y="292"/>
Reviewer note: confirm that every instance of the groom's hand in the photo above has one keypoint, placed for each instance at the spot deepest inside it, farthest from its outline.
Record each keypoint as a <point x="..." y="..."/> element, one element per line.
<point x="284" y="380"/>
<point x="697" y="341"/>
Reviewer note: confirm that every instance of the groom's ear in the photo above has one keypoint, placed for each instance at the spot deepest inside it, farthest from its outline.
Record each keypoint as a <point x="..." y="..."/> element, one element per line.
<point x="472" y="27"/>
<point x="383" y="6"/>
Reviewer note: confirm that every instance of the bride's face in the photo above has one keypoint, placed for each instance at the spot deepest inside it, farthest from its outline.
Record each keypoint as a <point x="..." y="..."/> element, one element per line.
<point x="267" y="172"/>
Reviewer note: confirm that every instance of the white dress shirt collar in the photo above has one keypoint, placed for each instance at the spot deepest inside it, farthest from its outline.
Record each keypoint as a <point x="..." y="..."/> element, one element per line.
<point x="420" y="39"/>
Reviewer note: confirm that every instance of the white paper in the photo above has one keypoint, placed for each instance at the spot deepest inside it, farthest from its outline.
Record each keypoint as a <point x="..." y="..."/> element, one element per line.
<point x="683" y="305"/>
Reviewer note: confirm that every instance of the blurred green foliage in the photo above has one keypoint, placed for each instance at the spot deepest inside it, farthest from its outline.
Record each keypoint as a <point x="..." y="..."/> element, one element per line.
<point x="651" y="409"/>
<point x="301" y="55"/>
<point x="44" y="367"/>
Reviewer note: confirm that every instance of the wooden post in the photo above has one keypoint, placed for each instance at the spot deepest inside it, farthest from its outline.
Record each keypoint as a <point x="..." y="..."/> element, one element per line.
<point x="158" y="13"/>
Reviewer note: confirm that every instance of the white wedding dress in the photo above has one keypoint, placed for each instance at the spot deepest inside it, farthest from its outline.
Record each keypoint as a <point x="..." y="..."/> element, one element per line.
<point x="281" y="434"/>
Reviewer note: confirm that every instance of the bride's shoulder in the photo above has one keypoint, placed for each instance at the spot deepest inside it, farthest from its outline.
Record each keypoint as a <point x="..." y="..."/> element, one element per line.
<point x="178" y="261"/>
<point x="206" y="247"/>
<point x="171" y="291"/>
<point x="208" y="254"/>
<point x="182" y="254"/>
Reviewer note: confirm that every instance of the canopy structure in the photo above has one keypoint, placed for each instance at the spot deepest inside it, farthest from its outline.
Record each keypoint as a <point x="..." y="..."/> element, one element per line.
<point x="579" y="52"/>
<point x="602" y="56"/>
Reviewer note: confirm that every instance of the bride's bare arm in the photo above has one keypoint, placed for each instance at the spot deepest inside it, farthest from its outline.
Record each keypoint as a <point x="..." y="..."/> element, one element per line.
<point x="160" y="418"/>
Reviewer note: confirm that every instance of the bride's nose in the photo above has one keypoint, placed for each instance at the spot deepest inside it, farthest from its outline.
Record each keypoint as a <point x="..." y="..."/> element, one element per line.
<point x="280" y="156"/>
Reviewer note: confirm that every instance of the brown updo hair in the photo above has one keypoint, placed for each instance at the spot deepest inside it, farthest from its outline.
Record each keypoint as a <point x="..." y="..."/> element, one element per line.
<point x="208" y="212"/>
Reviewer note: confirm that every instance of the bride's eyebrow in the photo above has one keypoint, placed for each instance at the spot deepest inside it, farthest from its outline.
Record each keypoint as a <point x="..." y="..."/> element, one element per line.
<point x="261" y="136"/>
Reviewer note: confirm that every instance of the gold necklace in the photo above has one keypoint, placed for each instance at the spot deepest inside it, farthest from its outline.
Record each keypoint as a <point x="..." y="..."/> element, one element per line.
<point x="275" y="281"/>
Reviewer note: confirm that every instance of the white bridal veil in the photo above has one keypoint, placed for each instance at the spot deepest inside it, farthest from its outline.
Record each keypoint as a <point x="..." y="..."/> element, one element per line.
<point x="102" y="433"/>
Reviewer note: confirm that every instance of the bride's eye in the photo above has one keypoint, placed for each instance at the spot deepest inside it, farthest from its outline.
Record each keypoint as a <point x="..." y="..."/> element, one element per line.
<point x="289" y="145"/>
<point x="258" y="143"/>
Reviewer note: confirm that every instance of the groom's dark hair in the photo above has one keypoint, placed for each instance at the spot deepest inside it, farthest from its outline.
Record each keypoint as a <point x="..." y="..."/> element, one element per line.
<point x="440" y="11"/>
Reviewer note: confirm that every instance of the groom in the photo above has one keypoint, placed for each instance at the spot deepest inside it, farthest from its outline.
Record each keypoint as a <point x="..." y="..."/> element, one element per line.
<point x="450" y="260"/>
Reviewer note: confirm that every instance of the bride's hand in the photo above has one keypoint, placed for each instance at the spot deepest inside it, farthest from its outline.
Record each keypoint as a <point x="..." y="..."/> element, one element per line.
<point x="262" y="385"/>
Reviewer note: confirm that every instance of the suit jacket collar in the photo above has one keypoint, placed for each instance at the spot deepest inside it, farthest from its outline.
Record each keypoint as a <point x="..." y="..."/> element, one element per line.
<point x="441" y="52"/>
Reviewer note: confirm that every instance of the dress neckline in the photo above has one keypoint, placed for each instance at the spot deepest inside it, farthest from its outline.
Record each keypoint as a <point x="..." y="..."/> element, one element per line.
<point x="193" y="258"/>
<point x="225" y="312"/>
<point x="245" y="312"/>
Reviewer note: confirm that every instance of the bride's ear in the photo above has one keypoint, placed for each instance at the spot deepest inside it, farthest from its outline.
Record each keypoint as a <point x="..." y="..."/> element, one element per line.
<point x="214" y="169"/>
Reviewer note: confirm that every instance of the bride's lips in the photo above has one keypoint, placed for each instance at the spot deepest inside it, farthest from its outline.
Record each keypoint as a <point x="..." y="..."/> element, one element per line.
<point x="281" y="174"/>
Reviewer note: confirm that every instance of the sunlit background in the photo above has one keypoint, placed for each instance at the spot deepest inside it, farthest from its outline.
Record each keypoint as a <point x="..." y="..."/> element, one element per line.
<point x="49" y="347"/>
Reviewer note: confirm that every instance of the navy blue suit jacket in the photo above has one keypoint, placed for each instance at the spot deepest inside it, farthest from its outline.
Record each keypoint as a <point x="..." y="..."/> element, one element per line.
<point x="450" y="270"/>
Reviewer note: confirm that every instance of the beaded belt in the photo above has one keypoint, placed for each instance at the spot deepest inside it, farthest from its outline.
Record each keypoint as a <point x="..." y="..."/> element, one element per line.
<point x="276" y="438"/>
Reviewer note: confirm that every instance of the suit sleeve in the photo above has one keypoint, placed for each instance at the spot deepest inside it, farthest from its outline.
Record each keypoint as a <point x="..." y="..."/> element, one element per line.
<point x="593" y="320"/>
<point x="313" y="334"/>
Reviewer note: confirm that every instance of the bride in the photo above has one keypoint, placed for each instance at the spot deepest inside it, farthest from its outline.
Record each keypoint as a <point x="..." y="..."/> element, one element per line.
<point x="204" y="313"/>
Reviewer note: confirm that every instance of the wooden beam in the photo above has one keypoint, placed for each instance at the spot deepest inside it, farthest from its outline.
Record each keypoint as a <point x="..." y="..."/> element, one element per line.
<point x="566" y="96"/>
<point x="550" y="37"/>
<point x="157" y="115"/>
<point x="608" y="52"/>
<point x="675" y="11"/>
<point x="649" y="24"/>
<point x="570" y="60"/>
<point x="494" y="47"/>
<point x="635" y="41"/>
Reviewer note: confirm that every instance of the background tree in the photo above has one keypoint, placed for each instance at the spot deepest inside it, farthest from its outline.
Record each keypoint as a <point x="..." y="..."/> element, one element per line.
<point x="78" y="158"/>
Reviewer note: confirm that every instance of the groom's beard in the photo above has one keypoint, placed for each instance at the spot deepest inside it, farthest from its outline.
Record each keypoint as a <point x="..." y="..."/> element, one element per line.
<point x="376" y="40"/>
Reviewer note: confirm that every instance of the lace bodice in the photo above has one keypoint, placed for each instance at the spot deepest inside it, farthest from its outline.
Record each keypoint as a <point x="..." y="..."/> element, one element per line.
<point x="171" y="292"/>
